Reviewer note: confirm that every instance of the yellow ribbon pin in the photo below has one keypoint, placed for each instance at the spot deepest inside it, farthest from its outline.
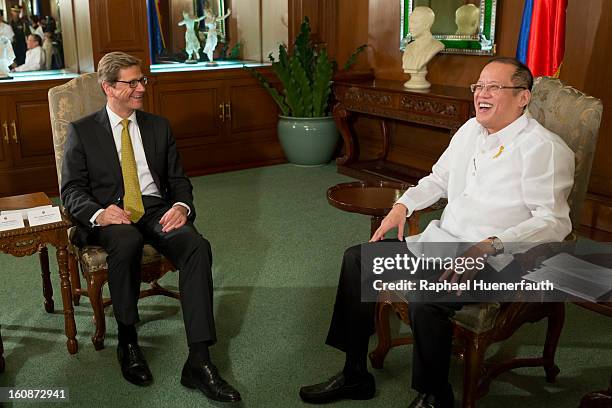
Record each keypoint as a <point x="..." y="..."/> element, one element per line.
<point x="501" y="149"/>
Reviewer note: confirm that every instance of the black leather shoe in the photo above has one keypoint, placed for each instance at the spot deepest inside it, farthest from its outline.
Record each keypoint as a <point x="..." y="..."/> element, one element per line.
<point x="133" y="364"/>
<point x="206" y="378"/>
<point x="430" y="401"/>
<point x="337" y="388"/>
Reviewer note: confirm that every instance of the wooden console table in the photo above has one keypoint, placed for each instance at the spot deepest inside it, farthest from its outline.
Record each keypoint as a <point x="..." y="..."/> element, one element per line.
<point x="442" y="107"/>
<point x="29" y="240"/>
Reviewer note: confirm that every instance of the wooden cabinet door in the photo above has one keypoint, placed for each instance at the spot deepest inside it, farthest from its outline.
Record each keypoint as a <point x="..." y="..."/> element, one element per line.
<point x="30" y="148"/>
<point x="254" y="114"/>
<point x="251" y="125"/>
<point x="30" y="134"/>
<point x="194" y="110"/>
<point x="5" y="155"/>
<point x="119" y="25"/>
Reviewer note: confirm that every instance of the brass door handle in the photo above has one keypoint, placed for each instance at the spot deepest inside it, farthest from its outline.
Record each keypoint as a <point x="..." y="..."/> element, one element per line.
<point x="15" y="138"/>
<point x="6" y="136"/>
<point x="222" y="114"/>
<point x="228" y="109"/>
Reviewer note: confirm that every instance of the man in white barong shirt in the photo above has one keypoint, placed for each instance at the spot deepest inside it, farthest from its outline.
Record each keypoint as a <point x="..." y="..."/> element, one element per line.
<point x="35" y="56"/>
<point x="507" y="180"/>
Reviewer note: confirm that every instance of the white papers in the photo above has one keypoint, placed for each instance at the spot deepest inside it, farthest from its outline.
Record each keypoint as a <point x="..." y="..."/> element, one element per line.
<point x="24" y="211"/>
<point x="11" y="221"/>
<point x="574" y="276"/>
<point x="45" y="215"/>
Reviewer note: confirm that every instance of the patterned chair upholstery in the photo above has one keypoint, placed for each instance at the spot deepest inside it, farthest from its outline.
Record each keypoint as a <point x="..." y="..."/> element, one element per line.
<point x="69" y="102"/>
<point x="575" y="117"/>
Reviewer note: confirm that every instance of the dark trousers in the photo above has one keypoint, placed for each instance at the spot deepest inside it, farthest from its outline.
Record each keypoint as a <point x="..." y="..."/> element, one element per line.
<point x="353" y="322"/>
<point x="184" y="247"/>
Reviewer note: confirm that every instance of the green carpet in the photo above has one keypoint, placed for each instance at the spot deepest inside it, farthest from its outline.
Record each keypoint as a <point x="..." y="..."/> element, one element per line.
<point x="277" y="248"/>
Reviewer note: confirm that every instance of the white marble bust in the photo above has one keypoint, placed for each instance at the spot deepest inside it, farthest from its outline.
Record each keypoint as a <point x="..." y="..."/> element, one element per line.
<point x="420" y="51"/>
<point x="467" y="18"/>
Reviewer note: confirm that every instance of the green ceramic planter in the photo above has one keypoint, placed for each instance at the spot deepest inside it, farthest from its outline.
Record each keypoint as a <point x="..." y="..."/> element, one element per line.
<point x="308" y="141"/>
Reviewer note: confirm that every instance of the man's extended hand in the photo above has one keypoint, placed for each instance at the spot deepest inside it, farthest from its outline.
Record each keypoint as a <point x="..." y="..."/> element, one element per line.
<point x="483" y="249"/>
<point x="395" y="219"/>
<point x="113" y="215"/>
<point x="174" y="218"/>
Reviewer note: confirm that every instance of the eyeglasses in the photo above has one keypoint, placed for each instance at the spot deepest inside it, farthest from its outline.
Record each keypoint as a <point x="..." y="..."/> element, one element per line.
<point x="134" y="82"/>
<point x="492" y="88"/>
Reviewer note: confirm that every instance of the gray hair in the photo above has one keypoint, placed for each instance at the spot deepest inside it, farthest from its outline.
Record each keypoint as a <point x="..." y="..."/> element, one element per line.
<point x="111" y="63"/>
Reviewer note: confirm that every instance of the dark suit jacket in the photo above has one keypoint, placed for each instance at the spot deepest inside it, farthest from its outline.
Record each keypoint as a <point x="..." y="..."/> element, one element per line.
<point x="91" y="172"/>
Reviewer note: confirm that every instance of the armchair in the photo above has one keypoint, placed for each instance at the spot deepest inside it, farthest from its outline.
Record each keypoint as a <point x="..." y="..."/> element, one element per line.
<point x="575" y="117"/>
<point x="67" y="103"/>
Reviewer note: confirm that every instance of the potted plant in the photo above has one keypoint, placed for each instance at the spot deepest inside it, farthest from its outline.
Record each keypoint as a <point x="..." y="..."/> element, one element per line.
<point x="306" y="129"/>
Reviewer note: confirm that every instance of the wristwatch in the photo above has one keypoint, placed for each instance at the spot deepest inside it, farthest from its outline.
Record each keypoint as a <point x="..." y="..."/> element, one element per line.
<point x="497" y="245"/>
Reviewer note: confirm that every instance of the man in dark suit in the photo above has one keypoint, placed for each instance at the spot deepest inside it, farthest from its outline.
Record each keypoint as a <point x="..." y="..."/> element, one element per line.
<point x="123" y="183"/>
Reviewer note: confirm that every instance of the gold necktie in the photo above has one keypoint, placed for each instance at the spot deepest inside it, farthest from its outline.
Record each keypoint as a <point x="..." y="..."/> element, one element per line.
<point x="132" y="200"/>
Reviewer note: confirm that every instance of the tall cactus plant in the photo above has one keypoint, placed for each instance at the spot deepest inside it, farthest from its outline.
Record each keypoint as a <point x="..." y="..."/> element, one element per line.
<point x="306" y="76"/>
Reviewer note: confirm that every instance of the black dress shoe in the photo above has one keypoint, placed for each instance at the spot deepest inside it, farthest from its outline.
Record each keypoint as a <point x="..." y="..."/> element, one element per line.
<point x="430" y="401"/>
<point x="338" y="388"/>
<point x="206" y="378"/>
<point x="133" y="364"/>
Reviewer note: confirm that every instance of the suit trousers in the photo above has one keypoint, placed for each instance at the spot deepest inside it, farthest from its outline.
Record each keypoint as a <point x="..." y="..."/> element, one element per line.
<point x="189" y="252"/>
<point x="353" y="322"/>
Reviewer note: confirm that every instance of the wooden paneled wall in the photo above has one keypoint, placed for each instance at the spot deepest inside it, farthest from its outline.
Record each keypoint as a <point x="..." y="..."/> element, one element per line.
<point x="119" y="25"/>
<point x="586" y="67"/>
<point x="323" y="16"/>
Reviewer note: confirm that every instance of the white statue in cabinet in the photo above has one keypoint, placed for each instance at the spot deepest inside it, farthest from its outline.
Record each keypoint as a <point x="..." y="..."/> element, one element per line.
<point x="192" y="44"/>
<point x="212" y="34"/>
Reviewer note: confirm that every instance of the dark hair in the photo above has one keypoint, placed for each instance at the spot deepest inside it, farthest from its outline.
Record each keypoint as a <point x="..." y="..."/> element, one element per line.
<point x="37" y="38"/>
<point x="522" y="75"/>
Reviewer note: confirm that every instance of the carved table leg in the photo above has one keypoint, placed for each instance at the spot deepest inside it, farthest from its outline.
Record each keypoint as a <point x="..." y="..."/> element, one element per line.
<point x="70" y="326"/>
<point x="43" y="256"/>
<point x="1" y="355"/>
<point x="341" y="117"/>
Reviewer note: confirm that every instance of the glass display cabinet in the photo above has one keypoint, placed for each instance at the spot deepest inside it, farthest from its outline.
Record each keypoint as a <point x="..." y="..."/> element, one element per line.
<point x="187" y="35"/>
<point x="26" y="26"/>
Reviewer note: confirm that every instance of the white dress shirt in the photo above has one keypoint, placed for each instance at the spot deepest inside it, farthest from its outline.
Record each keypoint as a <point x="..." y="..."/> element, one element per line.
<point x="6" y="30"/>
<point x="145" y="178"/>
<point x="512" y="184"/>
<point x="34" y="60"/>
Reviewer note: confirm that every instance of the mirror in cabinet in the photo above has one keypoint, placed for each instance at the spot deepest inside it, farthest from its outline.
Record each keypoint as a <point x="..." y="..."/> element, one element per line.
<point x="213" y="34"/>
<point x="31" y="37"/>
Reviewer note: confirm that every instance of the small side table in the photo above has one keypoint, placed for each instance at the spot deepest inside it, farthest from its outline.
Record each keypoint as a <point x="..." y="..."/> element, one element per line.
<point x="28" y="240"/>
<point x="368" y="198"/>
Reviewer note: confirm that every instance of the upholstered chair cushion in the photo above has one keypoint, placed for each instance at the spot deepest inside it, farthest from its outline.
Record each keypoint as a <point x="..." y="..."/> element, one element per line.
<point x="477" y="318"/>
<point x="93" y="258"/>
<point x="69" y="102"/>
<point x="575" y="117"/>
